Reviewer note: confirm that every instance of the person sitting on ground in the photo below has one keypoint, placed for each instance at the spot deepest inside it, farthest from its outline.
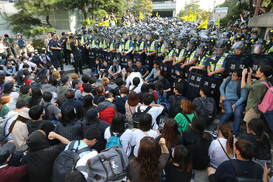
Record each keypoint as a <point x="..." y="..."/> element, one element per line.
<point x="135" y="87"/>
<point x="205" y="106"/>
<point x="93" y="82"/>
<point x="87" y="103"/>
<point x="144" y="129"/>
<point x="257" y="135"/>
<point x="114" y="70"/>
<point x="175" y="100"/>
<point x="143" y="70"/>
<point x="7" y="172"/>
<point x="117" y="128"/>
<point x="76" y="85"/>
<point x="179" y="168"/>
<point x="20" y="74"/>
<point x="9" y="90"/>
<point x="229" y="170"/>
<point x="19" y="132"/>
<point x="184" y="118"/>
<point x="149" y="150"/>
<point x="197" y="142"/>
<point x="107" y="108"/>
<point x="37" y="123"/>
<point x="52" y="112"/>
<point x="121" y="99"/>
<point x="69" y="126"/>
<point x="87" y="90"/>
<point x="131" y="75"/>
<point x="71" y="101"/>
<point x="233" y="97"/>
<point x="145" y="88"/>
<point x="9" y="69"/>
<point x="119" y="83"/>
<point x="41" y="156"/>
<point x="4" y="109"/>
<point x="130" y="106"/>
<point x="61" y="90"/>
<point x="153" y="74"/>
<point x="92" y="120"/>
<point x="155" y="111"/>
<point x="85" y="80"/>
<point x="99" y="95"/>
<point x="105" y="82"/>
<point x="104" y="70"/>
<point x="25" y="91"/>
<point x="221" y="149"/>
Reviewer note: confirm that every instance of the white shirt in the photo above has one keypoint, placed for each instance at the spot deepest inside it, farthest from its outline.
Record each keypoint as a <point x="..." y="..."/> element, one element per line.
<point x="129" y="80"/>
<point x="155" y="112"/>
<point x="13" y="100"/>
<point x="2" y="48"/>
<point x="137" y="89"/>
<point x="31" y="65"/>
<point x="125" y="139"/>
<point x="138" y="135"/>
<point x="216" y="153"/>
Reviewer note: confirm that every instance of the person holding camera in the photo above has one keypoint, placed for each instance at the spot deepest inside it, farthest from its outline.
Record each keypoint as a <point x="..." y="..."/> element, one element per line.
<point x="74" y="44"/>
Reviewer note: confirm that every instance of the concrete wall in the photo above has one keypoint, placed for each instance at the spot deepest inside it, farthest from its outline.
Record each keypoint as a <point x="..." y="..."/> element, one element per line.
<point x="262" y="23"/>
<point x="174" y="6"/>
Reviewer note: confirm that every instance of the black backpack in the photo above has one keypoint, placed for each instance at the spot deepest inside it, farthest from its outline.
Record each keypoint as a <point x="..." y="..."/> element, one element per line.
<point x="66" y="161"/>
<point x="137" y="115"/>
<point x="176" y="106"/>
<point x="207" y="110"/>
<point x="48" y="116"/>
<point x="241" y="175"/>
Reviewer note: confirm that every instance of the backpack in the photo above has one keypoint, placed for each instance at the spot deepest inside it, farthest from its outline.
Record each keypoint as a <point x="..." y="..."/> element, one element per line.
<point x="240" y="174"/>
<point x="66" y="161"/>
<point x="48" y="116"/>
<point x="109" y="165"/>
<point x="113" y="140"/>
<point x="133" y="88"/>
<point x="207" y="110"/>
<point x="238" y="88"/>
<point x="137" y="115"/>
<point x="162" y="100"/>
<point x="176" y="105"/>
<point x="3" y="123"/>
<point x="267" y="102"/>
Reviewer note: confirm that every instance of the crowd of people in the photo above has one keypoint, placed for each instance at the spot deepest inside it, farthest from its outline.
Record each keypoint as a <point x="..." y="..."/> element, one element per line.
<point x="170" y="81"/>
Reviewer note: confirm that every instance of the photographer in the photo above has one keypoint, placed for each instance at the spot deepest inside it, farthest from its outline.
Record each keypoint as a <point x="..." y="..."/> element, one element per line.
<point x="74" y="43"/>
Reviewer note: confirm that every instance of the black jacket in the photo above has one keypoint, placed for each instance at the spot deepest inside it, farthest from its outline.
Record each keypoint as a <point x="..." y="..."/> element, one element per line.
<point x="41" y="157"/>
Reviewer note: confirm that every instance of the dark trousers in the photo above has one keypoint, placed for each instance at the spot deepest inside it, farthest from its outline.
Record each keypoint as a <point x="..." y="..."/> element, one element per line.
<point x="66" y="56"/>
<point x="11" y="51"/>
<point x="78" y="64"/>
<point x="57" y="60"/>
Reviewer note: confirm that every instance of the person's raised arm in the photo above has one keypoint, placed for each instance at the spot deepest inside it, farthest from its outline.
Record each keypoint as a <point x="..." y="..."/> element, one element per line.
<point x="162" y="143"/>
<point x="52" y="135"/>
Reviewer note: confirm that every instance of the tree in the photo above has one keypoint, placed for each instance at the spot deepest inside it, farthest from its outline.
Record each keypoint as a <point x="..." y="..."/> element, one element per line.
<point x="27" y="21"/>
<point x="193" y="6"/>
<point x="143" y="6"/>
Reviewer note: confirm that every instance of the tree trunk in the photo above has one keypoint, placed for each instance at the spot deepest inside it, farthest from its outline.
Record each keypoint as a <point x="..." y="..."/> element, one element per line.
<point x="47" y="20"/>
<point x="251" y="6"/>
<point x="84" y="12"/>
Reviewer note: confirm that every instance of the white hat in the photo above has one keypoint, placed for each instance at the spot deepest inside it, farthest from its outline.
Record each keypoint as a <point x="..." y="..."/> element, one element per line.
<point x="24" y="113"/>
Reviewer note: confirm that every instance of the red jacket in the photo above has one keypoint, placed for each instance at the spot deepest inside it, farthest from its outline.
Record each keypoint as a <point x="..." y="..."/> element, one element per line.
<point x="12" y="174"/>
<point x="107" y="114"/>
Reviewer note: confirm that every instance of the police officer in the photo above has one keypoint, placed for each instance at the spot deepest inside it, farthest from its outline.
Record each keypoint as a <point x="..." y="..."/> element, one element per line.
<point x="127" y="48"/>
<point x="161" y="47"/>
<point x="91" y="46"/>
<point x="151" y="50"/>
<point x="269" y="50"/>
<point x="83" y="46"/>
<point x="202" y="59"/>
<point x="76" y="54"/>
<point x="112" y="22"/>
<point x="110" y="48"/>
<point x="190" y="53"/>
<point x="139" y="49"/>
<point x="169" y="59"/>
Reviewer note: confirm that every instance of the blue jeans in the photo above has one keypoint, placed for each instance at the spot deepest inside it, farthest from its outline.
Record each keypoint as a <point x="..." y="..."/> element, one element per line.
<point x="238" y="115"/>
<point x="269" y="119"/>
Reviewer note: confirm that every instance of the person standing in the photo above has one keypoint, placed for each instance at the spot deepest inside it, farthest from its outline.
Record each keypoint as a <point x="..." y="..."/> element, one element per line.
<point x="76" y="53"/>
<point x="56" y="50"/>
<point x="22" y="44"/>
<point x="9" y="43"/>
<point x="63" y="41"/>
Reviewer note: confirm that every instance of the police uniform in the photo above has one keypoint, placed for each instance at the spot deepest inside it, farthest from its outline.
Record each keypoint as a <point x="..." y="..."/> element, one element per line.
<point x="152" y="46"/>
<point x="139" y="47"/>
<point x="127" y="44"/>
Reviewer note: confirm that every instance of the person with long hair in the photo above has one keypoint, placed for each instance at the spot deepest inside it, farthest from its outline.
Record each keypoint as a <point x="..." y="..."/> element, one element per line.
<point x="257" y="135"/>
<point x="100" y="95"/>
<point x="221" y="149"/>
<point x="179" y="168"/>
<point x="4" y="109"/>
<point x="197" y="142"/>
<point x="144" y="129"/>
<point x="121" y="99"/>
<point x="87" y="103"/>
<point x="117" y="128"/>
<point x="130" y="106"/>
<point x="184" y="118"/>
<point x="18" y="130"/>
<point x="149" y="164"/>
<point x="36" y="96"/>
<point x="9" y="90"/>
<point x="69" y="127"/>
<point x="256" y="90"/>
<point x="171" y="134"/>
<point x="244" y="151"/>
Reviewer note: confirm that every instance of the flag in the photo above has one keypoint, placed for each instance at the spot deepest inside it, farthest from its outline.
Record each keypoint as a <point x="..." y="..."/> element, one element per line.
<point x="106" y="23"/>
<point x="204" y="24"/>
<point x="140" y="16"/>
<point x="218" y="22"/>
<point x="156" y="14"/>
<point x="185" y="18"/>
